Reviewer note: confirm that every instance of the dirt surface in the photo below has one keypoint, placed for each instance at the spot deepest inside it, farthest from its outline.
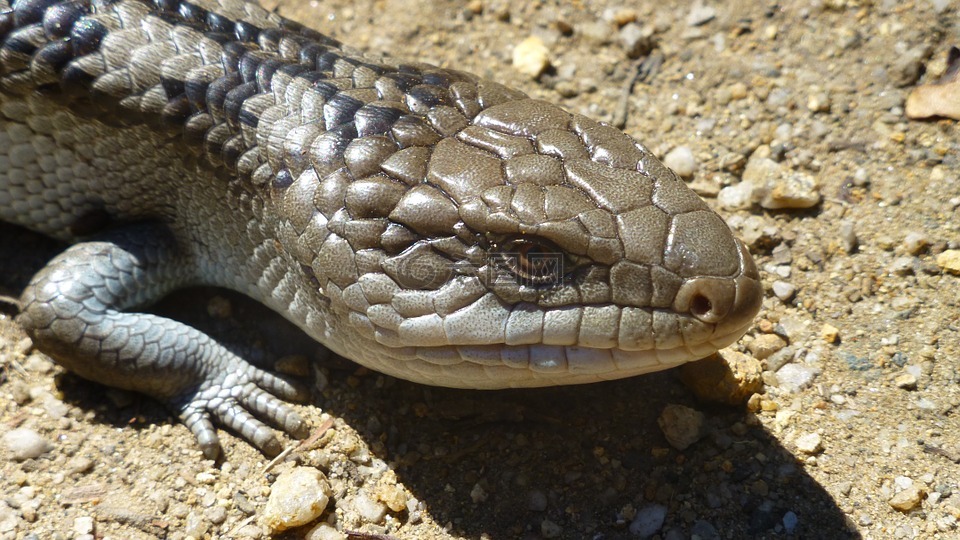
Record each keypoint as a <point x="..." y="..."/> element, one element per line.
<point x="856" y="435"/>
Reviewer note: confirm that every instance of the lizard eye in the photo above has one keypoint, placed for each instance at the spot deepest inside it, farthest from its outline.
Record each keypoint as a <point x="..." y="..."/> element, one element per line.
<point x="534" y="262"/>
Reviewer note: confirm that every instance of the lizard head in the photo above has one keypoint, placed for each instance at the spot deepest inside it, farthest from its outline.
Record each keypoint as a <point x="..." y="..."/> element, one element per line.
<point x="529" y="247"/>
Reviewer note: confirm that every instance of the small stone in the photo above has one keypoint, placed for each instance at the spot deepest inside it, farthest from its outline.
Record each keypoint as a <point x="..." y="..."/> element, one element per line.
<point x="775" y="187"/>
<point x="700" y="14"/>
<point x="727" y="377"/>
<point x="681" y="426"/>
<point x="790" y="522"/>
<point x="636" y="40"/>
<point x="83" y="525"/>
<point x="784" y="290"/>
<point x="537" y="501"/>
<point x="215" y="514"/>
<point x="704" y="530"/>
<point x="24" y="444"/>
<point x="478" y="494"/>
<point x="915" y="242"/>
<point x="949" y="261"/>
<point x="795" y="377"/>
<point x="682" y="161"/>
<point x="758" y="233"/>
<point x="848" y="236"/>
<point x="818" y="102"/>
<point x="648" y="520"/>
<point x="549" y="529"/>
<point x="906" y="381"/>
<point x="597" y="32"/>
<point x="325" y="531"/>
<point x="908" y="66"/>
<point x="907" y="499"/>
<point x="298" y="497"/>
<point x="736" y="197"/>
<point x="765" y="345"/>
<point x="904" y="266"/>
<point x="370" y="510"/>
<point x="531" y="57"/>
<point x="809" y="443"/>
<point x="829" y="333"/>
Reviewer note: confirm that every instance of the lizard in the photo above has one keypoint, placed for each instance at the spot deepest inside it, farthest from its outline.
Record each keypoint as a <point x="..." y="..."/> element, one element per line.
<point x="423" y="222"/>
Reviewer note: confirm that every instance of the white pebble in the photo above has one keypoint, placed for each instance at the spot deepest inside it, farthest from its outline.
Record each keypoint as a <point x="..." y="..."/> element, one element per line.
<point x="796" y="377"/>
<point x="776" y="187"/>
<point x="648" y="520"/>
<point x="531" y="57"/>
<point x="83" y="525"/>
<point x="324" y="531"/>
<point x="809" y="443"/>
<point x="915" y="242"/>
<point x="370" y="510"/>
<point x="736" y="197"/>
<point x="24" y="443"/>
<point x="298" y="497"/>
<point x="784" y="290"/>
<point x="682" y="161"/>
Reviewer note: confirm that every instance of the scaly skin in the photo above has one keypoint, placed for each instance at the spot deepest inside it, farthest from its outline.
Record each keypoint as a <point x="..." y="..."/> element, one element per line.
<point x="423" y="222"/>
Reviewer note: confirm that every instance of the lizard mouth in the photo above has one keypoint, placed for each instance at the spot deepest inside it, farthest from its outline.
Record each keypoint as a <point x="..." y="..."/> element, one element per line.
<point x="535" y="365"/>
<point x="468" y="337"/>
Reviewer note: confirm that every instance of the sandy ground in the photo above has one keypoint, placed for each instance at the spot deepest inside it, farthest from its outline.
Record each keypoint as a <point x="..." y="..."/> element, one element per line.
<point x="855" y="428"/>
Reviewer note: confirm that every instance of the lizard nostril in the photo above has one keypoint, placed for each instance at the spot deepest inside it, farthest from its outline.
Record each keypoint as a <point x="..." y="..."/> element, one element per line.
<point x="700" y="306"/>
<point x="706" y="298"/>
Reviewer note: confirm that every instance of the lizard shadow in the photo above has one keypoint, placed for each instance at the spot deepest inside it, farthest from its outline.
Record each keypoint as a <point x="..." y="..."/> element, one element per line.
<point x="565" y="462"/>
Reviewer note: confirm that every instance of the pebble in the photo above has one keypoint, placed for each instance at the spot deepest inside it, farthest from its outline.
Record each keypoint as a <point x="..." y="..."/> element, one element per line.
<point x="906" y="381"/>
<point x="848" y="236"/>
<point x="775" y="187"/>
<point x="549" y="529"/>
<point x="536" y="501"/>
<point x="531" y="57"/>
<point x="784" y="290"/>
<point x="758" y="233"/>
<point x="780" y="358"/>
<point x="700" y="14"/>
<point x="298" y="497"/>
<point x="736" y="197"/>
<point x="727" y="377"/>
<point x="597" y="32"/>
<point x="830" y="333"/>
<point x="795" y="377"/>
<point x="765" y="345"/>
<point x="908" y="66"/>
<point x="370" y="510"/>
<point x="324" y="531"/>
<point x="83" y="525"/>
<point x="648" y="520"/>
<point x="949" y="261"/>
<point x="915" y="242"/>
<point x="904" y="266"/>
<point x="790" y="522"/>
<point x="681" y="426"/>
<point x="704" y="530"/>
<point x="636" y="40"/>
<point x="25" y="443"/>
<point x="682" y="161"/>
<point x="818" y="102"/>
<point x="907" y="499"/>
<point x="775" y="184"/>
<point x="809" y="443"/>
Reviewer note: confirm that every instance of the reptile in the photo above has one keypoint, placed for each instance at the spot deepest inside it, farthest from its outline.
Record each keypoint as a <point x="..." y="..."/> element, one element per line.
<point x="423" y="222"/>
